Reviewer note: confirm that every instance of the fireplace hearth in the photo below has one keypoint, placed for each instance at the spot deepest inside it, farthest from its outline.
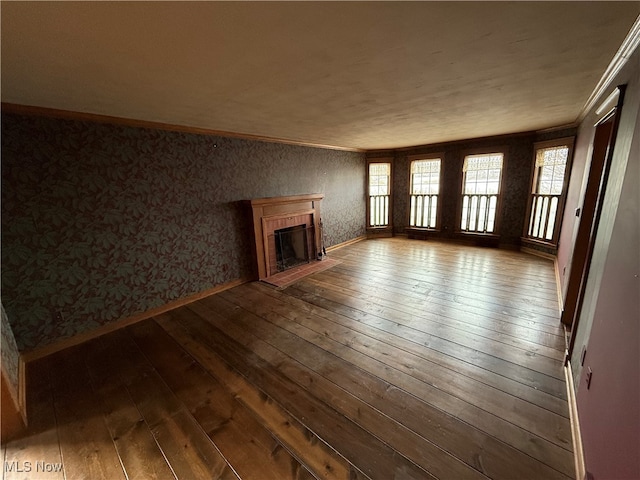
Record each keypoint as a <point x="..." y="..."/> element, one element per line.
<point x="286" y="232"/>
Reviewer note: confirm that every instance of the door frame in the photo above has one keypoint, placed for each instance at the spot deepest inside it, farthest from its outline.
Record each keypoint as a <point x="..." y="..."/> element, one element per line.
<point x="590" y="213"/>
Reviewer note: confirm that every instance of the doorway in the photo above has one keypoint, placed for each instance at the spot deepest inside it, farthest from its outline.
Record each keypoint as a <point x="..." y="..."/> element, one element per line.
<point x="603" y="145"/>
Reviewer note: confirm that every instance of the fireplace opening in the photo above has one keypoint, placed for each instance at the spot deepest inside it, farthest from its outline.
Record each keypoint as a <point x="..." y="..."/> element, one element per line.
<point x="291" y="247"/>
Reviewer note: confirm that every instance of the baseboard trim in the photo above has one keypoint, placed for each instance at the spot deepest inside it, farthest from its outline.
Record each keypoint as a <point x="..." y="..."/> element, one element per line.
<point x="538" y="253"/>
<point x="22" y="389"/>
<point x="552" y="257"/>
<point x="578" y="452"/>
<point x="41" y="352"/>
<point x="556" y="267"/>
<point x="45" y="351"/>
<point x="55" y="347"/>
<point x="348" y="242"/>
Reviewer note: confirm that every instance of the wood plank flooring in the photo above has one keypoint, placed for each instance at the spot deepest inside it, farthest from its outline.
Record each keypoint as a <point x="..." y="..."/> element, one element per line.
<point x="407" y="360"/>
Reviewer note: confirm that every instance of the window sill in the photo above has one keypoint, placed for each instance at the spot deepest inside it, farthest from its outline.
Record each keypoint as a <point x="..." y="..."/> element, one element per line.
<point x="549" y="247"/>
<point x="420" y="233"/>
<point x="479" y="235"/>
<point x="536" y="241"/>
<point x="422" y="229"/>
<point x="380" y="231"/>
<point x="481" y="239"/>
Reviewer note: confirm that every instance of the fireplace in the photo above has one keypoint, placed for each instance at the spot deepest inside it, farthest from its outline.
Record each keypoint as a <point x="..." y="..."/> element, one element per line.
<point x="286" y="231"/>
<point x="291" y="246"/>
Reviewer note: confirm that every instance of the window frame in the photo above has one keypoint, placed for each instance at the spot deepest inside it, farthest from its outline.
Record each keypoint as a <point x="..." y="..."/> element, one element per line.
<point x="569" y="142"/>
<point x="417" y="158"/>
<point x="504" y="151"/>
<point x="389" y="226"/>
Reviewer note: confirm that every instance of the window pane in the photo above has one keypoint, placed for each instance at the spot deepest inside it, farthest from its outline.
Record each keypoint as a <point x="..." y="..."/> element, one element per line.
<point x="552" y="218"/>
<point x="556" y="188"/>
<point x="550" y="170"/>
<point x="425" y="176"/>
<point x="425" y="186"/>
<point x="491" y="221"/>
<point x="481" y="187"/>
<point x="547" y="189"/>
<point x="482" y="173"/>
<point x="379" y="176"/>
<point x="379" y="190"/>
<point x="434" y="210"/>
<point x="465" y="213"/>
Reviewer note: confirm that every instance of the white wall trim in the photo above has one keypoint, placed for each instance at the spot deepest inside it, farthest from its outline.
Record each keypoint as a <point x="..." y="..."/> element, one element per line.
<point x="578" y="452"/>
<point x="556" y="268"/>
<point x="619" y="60"/>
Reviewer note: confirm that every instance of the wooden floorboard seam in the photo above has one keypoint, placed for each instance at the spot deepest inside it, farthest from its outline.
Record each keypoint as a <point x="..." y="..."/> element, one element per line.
<point x="406" y="360"/>
<point x="226" y="323"/>
<point x="416" y="348"/>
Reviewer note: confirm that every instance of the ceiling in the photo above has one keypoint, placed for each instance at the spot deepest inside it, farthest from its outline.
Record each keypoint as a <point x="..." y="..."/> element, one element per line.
<point x="361" y="75"/>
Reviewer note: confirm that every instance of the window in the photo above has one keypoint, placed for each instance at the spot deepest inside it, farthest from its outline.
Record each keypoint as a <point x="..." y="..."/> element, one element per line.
<point x="425" y="188"/>
<point x="480" y="192"/>
<point x="548" y="190"/>
<point x="379" y="194"/>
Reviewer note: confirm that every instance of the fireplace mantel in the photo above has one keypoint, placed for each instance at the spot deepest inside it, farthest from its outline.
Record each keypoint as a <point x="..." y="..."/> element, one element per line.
<point x="273" y="213"/>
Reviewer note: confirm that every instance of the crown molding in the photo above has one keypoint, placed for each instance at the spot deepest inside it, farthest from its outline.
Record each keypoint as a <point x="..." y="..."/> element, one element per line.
<point x="30" y="110"/>
<point x="619" y="60"/>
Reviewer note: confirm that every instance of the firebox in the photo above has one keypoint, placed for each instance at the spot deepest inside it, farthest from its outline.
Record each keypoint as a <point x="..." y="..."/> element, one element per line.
<point x="291" y="246"/>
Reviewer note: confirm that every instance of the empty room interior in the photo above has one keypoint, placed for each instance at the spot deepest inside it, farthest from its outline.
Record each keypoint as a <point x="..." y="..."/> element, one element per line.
<point x="320" y="240"/>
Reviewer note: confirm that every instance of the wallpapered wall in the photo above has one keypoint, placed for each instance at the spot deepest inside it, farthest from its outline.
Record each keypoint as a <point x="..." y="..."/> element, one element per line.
<point x="518" y="151"/>
<point x="100" y="222"/>
<point x="9" y="351"/>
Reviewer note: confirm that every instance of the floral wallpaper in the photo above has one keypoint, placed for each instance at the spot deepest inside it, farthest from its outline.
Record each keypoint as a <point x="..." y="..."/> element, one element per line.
<point x="9" y="351"/>
<point x="100" y="222"/>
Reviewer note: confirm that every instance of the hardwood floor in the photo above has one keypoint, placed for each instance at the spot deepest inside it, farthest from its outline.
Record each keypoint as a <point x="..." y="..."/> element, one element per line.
<point x="407" y="360"/>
